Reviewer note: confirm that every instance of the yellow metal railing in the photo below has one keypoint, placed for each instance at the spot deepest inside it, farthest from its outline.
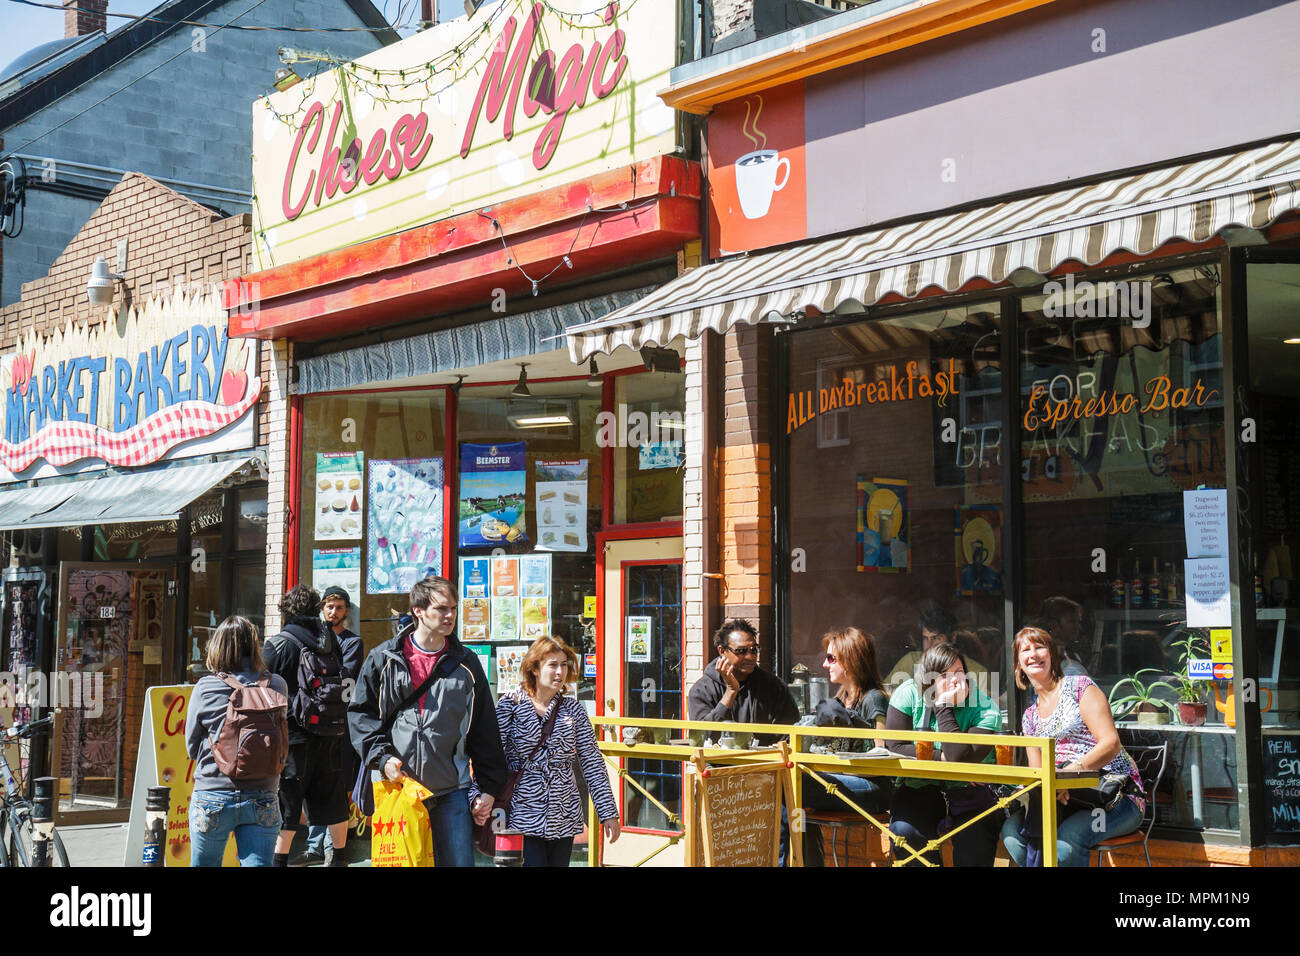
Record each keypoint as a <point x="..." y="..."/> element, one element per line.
<point x="691" y="733"/>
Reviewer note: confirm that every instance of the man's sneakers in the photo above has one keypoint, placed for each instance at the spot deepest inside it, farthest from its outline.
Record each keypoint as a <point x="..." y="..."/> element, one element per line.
<point x="308" y="857"/>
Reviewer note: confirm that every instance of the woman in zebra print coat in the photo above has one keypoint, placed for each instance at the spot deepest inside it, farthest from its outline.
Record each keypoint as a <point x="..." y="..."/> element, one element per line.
<point x="546" y="806"/>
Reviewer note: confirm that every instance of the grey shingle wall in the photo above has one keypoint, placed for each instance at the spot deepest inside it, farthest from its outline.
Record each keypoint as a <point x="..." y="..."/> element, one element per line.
<point x="190" y="120"/>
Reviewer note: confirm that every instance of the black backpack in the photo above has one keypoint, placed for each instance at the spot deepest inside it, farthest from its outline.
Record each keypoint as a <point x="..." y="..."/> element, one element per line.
<point x="319" y="706"/>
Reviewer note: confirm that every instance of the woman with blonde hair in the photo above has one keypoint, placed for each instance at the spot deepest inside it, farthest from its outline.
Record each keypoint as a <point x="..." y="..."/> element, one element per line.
<point x="861" y="702"/>
<point x="542" y="732"/>
<point x="236" y="777"/>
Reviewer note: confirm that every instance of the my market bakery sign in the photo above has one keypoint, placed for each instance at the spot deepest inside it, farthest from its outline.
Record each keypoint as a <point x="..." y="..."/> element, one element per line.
<point x="519" y="97"/>
<point x="166" y="382"/>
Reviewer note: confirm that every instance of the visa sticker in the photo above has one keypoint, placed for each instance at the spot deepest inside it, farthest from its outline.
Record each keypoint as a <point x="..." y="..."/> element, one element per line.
<point x="1200" y="669"/>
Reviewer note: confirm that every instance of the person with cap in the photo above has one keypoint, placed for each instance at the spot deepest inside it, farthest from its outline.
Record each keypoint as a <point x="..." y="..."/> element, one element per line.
<point x="336" y="606"/>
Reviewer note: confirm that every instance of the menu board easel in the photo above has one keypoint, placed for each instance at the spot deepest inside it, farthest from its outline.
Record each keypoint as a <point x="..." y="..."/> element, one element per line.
<point x="738" y="823"/>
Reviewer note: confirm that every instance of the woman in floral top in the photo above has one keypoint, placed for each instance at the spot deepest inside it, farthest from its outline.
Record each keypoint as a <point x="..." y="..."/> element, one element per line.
<point x="1074" y="711"/>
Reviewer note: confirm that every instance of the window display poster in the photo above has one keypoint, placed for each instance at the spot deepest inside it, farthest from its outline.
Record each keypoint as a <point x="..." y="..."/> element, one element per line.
<point x="339" y="495"/>
<point x="537" y="622"/>
<point x="638" y="640"/>
<point x="403" y="524"/>
<point x="1208" y="596"/>
<point x="484" y="652"/>
<point x="475" y="619"/>
<point x="493" y="489"/>
<point x="475" y="578"/>
<point x="884" y="529"/>
<point x="505" y="577"/>
<point x="660" y="454"/>
<point x="535" y="575"/>
<point x="1205" y="522"/>
<point x="337" y="567"/>
<point x="562" y="505"/>
<point x="508" y="661"/>
<point x="505" y="619"/>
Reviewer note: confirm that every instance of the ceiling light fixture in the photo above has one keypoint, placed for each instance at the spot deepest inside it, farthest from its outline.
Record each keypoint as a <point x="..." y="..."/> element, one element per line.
<point x="521" y="389"/>
<point x="1295" y="341"/>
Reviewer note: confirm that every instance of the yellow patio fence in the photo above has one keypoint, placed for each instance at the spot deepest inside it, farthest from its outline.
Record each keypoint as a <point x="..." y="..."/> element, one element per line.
<point x="682" y="740"/>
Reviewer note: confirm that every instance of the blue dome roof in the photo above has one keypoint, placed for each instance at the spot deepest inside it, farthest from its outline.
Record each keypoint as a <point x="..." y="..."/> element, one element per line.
<point x="36" y="54"/>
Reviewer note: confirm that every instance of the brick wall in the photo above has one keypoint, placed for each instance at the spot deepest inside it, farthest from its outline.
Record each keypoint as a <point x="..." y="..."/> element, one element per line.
<point x="698" y="461"/>
<point x="745" y="481"/>
<point x="171" y="241"/>
<point x="277" y="358"/>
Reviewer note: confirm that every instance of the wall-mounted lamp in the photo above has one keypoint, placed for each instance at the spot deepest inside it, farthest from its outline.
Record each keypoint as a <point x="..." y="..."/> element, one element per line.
<point x="101" y="286"/>
<point x="286" y="77"/>
<point x="661" y="360"/>
<point x="594" y="379"/>
<point x="521" y="390"/>
<point x="456" y="385"/>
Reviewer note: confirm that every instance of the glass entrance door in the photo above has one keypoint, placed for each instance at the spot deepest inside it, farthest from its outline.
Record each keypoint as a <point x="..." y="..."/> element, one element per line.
<point x="114" y="625"/>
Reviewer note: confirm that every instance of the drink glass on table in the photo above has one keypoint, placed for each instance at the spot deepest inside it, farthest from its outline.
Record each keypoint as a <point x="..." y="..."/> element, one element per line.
<point x="925" y="750"/>
<point x="1005" y="755"/>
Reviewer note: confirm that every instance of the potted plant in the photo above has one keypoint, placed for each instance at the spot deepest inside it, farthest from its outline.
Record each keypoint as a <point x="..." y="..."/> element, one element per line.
<point x="1192" y="705"/>
<point x="1142" y="698"/>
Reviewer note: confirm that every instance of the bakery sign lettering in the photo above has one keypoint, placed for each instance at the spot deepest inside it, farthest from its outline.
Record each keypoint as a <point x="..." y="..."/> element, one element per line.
<point x="895" y="385"/>
<point x="168" y="377"/>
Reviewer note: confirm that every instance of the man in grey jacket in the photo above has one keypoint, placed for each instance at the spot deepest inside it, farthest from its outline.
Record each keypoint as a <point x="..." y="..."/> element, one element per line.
<point x="423" y="707"/>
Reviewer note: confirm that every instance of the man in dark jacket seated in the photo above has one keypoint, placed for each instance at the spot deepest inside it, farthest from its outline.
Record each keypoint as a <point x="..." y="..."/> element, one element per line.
<point x="734" y="688"/>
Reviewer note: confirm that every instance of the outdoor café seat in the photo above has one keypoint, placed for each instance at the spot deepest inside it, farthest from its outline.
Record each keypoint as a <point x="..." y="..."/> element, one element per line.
<point x="832" y="821"/>
<point x="1150" y="762"/>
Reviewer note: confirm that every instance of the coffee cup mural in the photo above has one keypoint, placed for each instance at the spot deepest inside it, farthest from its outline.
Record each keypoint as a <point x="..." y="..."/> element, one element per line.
<point x="757" y="171"/>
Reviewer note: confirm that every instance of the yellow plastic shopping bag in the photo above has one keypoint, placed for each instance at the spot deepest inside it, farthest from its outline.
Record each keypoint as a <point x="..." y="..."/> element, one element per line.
<point x="400" y="834"/>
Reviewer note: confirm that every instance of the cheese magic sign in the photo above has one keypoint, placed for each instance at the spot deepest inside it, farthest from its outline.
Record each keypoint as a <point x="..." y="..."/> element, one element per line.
<point x="167" y="382"/>
<point x="519" y="97"/>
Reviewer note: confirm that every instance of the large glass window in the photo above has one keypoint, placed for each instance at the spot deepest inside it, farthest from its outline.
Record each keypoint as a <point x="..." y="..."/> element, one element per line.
<point x="1273" y="302"/>
<point x="649" y="437"/>
<point x="895" y="502"/>
<point x="1121" y="413"/>
<point x="341" y="436"/>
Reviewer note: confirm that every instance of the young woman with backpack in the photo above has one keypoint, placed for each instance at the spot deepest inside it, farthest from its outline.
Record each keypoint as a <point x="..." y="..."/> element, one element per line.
<point x="237" y="733"/>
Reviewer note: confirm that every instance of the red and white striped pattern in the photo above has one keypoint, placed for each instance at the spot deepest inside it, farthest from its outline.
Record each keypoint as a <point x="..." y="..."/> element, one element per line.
<point x="62" y="443"/>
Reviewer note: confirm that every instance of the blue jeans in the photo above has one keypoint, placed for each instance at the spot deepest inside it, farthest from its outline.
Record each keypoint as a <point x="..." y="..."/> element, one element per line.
<point x="453" y="829"/>
<point x="1076" y="835"/>
<point x="252" y="815"/>
<point x="318" y="839"/>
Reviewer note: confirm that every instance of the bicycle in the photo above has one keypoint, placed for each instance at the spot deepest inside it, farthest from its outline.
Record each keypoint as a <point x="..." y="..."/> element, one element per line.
<point x="16" y="829"/>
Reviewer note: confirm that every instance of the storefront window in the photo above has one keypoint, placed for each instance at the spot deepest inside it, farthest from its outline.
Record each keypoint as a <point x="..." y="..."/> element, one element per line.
<point x="647" y="428"/>
<point x="895" y="488"/>
<point x="343" y="436"/>
<point x="1121" y="413"/>
<point x="538" y="575"/>
<point x="1273" y="301"/>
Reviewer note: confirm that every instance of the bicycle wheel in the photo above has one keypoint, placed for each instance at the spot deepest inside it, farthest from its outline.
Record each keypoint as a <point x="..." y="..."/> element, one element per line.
<point x="20" y="844"/>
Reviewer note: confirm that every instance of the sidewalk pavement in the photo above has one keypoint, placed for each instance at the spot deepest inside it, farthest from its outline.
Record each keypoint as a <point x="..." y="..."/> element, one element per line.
<point x="96" y="844"/>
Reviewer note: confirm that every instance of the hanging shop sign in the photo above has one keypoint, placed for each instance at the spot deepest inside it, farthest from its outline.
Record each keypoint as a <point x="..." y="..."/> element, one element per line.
<point x="895" y="384"/>
<point x="516" y="98"/>
<point x="165" y="382"/>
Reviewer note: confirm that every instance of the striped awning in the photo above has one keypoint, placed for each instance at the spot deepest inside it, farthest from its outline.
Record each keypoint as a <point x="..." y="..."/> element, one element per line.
<point x="1139" y="213"/>
<point x="152" y="494"/>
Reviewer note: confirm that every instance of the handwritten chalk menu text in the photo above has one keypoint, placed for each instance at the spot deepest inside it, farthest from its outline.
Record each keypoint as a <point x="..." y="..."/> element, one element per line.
<point x="1282" y="783"/>
<point x="742" y="815"/>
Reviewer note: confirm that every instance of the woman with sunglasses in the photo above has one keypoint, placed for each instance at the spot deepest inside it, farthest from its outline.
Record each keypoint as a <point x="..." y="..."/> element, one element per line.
<point x="861" y="702"/>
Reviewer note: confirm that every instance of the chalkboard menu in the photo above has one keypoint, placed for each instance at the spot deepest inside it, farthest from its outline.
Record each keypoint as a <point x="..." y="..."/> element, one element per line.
<point x="740" y="819"/>
<point x="1282" y="782"/>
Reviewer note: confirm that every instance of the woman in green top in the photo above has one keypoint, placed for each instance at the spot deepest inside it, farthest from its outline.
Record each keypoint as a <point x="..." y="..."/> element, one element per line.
<point x="861" y="702"/>
<point x="944" y="701"/>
